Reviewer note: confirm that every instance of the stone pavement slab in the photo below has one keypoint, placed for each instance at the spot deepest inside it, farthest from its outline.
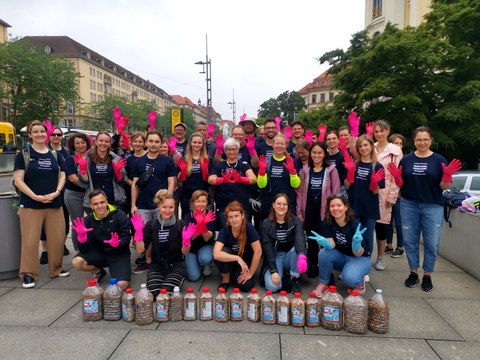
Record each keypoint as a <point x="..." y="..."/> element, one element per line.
<point x="50" y="343"/>
<point x="206" y="345"/>
<point x="454" y="350"/>
<point x="462" y="315"/>
<point x="337" y="347"/>
<point x="4" y="291"/>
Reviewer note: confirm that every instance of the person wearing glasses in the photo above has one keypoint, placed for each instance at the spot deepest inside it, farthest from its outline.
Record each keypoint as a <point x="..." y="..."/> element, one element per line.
<point x="266" y="147"/>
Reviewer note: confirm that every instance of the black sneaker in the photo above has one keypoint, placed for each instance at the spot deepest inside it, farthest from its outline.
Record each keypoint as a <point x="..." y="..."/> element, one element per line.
<point x="412" y="280"/>
<point x="427" y="283"/>
<point x="296" y="286"/>
<point x="28" y="281"/>
<point x="141" y="259"/>
<point x="65" y="250"/>
<point x="44" y="258"/>
<point x="388" y="250"/>
<point x="398" y="253"/>
<point x="312" y="271"/>
<point x="100" y="275"/>
<point x="64" y="273"/>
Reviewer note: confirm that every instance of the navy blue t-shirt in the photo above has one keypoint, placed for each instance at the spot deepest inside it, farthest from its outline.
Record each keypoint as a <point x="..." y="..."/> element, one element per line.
<point x="243" y="155"/>
<point x="163" y="168"/>
<point x="226" y="237"/>
<point x="264" y="149"/>
<point x="41" y="177"/>
<point x="338" y="159"/>
<point x="71" y="169"/>
<point x="315" y="182"/>
<point x="422" y="177"/>
<point x="195" y="180"/>
<point x="199" y="242"/>
<point x="102" y="178"/>
<point x="292" y="149"/>
<point x="342" y="236"/>
<point x="182" y="148"/>
<point x="363" y="201"/>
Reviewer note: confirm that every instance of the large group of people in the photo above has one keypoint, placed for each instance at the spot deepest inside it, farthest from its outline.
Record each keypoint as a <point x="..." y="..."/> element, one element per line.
<point x="285" y="202"/>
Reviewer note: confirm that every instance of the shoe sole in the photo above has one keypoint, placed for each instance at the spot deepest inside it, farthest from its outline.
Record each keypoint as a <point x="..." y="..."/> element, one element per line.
<point x="67" y="274"/>
<point x="28" y="286"/>
<point x="139" y="272"/>
<point x="427" y="290"/>
<point x="379" y="268"/>
<point x="412" y="286"/>
<point x="396" y="256"/>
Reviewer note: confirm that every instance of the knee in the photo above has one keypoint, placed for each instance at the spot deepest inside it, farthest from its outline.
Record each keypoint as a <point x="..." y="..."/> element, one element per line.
<point x="193" y="275"/>
<point x="78" y="263"/>
<point x="272" y="287"/>
<point x="123" y="284"/>
<point x="247" y="286"/>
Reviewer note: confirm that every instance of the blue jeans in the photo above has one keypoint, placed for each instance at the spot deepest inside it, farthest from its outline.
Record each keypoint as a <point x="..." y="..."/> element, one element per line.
<point x="353" y="268"/>
<point x="194" y="262"/>
<point x="397" y="220"/>
<point x="426" y="218"/>
<point x="368" y="223"/>
<point x="284" y="261"/>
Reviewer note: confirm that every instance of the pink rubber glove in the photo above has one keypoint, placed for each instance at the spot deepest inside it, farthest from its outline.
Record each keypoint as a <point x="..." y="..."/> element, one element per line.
<point x="375" y="179"/>
<point x="126" y="140"/>
<point x="219" y="180"/>
<point x="82" y="163"/>
<point x="122" y="124"/>
<point x="219" y="144"/>
<point x="369" y="128"/>
<point x="342" y="145"/>
<point x="354" y="122"/>
<point x="114" y="240"/>
<point x="187" y="234"/>
<point x="396" y="173"/>
<point x="449" y="170"/>
<point x="322" y="130"/>
<point x="79" y="227"/>
<point x="199" y="217"/>
<point x="210" y="216"/>
<point x="117" y="114"/>
<point x="118" y="166"/>
<point x="250" y="144"/>
<point x="309" y="136"/>
<point x="152" y="117"/>
<point x="90" y="138"/>
<point x="278" y="121"/>
<point x="288" y="132"/>
<point x="242" y="118"/>
<point x="237" y="178"/>
<point x="204" y="168"/>
<point x="350" y="165"/>
<point x="211" y="130"/>
<point x="289" y="165"/>
<point x="138" y="224"/>
<point x="50" y="129"/>
<point x="172" y="144"/>
<point x="182" y="165"/>
<point x="262" y="165"/>
<point x="302" y="263"/>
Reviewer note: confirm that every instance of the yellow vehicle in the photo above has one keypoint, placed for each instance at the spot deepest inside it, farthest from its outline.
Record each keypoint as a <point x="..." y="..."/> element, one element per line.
<point x="8" y="139"/>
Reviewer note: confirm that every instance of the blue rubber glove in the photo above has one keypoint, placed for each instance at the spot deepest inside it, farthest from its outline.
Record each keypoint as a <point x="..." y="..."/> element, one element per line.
<point x="323" y="242"/>
<point x="357" y="239"/>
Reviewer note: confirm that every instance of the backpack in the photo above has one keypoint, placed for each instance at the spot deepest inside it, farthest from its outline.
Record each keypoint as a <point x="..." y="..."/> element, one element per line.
<point x="26" y="162"/>
<point x="453" y="198"/>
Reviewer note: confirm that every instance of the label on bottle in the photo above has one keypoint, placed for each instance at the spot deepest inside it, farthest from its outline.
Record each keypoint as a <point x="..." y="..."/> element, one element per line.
<point x="267" y="312"/>
<point x="219" y="310"/>
<point x="124" y="311"/>
<point x="331" y="313"/>
<point x="90" y="306"/>
<point x="252" y="309"/>
<point x="190" y="310"/>
<point x="207" y="310"/>
<point x="283" y="315"/>
<point x="297" y="316"/>
<point x="161" y="313"/>
<point x="312" y="315"/>
<point x="236" y="311"/>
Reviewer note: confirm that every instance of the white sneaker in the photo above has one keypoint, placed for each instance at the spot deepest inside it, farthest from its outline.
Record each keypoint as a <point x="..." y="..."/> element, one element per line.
<point x="207" y="271"/>
<point x="379" y="264"/>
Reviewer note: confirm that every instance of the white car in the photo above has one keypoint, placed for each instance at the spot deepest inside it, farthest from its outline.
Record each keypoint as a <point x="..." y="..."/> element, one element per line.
<point x="467" y="181"/>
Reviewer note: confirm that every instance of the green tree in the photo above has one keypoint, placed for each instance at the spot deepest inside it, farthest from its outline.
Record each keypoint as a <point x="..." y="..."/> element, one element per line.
<point x="36" y="85"/>
<point x="284" y="105"/>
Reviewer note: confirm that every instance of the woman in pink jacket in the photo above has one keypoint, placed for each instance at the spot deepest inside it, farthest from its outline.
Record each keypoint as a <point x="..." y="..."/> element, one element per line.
<point x="319" y="179"/>
<point x="386" y="153"/>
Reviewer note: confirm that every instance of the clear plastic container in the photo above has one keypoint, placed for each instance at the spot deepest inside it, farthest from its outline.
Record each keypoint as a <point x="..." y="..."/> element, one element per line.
<point x="236" y="305"/>
<point x="253" y="306"/>
<point x="112" y="301"/>
<point x="162" y="306"/>
<point x="190" y="306"/>
<point x="332" y="309"/>
<point x="128" y="306"/>
<point x="92" y="298"/>
<point x="283" y="309"/>
<point x="312" y="310"/>
<point x="176" y="303"/>
<point x="269" y="311"/>
<point x="221" y="306"/>
<point x="297" y="306"/>
<point x="378" y="313"/>
<point x="206" y="305"/>
<point x="355" y="313"/>
<point x="143" y="306"/>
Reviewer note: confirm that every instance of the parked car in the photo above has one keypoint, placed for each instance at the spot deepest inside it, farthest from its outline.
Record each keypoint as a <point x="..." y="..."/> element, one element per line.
<point x="467" y="181"/>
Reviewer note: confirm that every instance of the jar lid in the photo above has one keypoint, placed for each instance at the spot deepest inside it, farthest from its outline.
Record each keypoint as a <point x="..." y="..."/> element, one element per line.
<point x="268" y="292"/>
<point x="283" y="293"/>
<point x="254" y="291"/>
<point x="128" y="291"/>
<point x="297" y="295"/>
<point x="163" y="291"/>
<point x="206" y="289"/>
<point x="221" y="290"/>
<point x="236" y="290"/>
<point x="190" y="290"/>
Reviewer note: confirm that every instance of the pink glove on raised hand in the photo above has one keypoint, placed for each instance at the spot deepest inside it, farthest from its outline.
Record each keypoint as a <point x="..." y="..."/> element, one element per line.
<point x="242" y="118"/>
<point x="396" y="173"/>
<point x="322" y="130"/>
<point x="449" y="170"/>
<point x="117" y="114"/>
<point x="369" y="128"/>
<point x="114" y="240"/>
<point x="172" y="144"/>
<point x="262" y="165"/>
<point x="152" y="117"/>
<point x="288" y="132"/>
<point x="79" y="227"/>
<point x="126" y="140"/>
<point x="50" y="129"/>
<point x="118" y="166"/>
<point x="219" y="144"/>
<point x="204" y="168"/>
<point x="122" y="124"/>
<point x="187" y="234"/>
<point x="289" y="165"/>
<point x="309" y="136"/>
<point x="199" y="217"/>
<point x="343" y="145"/>
<point x="250" y="144"/>
<point x="90" y="138"/>
<point x="237" y="178"/>
<point x="375" y="179"/>
<point x="211" y="130"/>
<point x="82" y="163"/>
<point x="182" y="165"/>
<point x="302" y="263"/>
<point x="138" y="224"/>
<point x="278" y="121"/>
<point x="354" y="122"/>
<point x="350" y="166"/>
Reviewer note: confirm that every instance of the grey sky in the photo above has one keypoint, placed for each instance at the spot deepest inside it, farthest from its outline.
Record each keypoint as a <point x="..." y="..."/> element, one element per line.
<point x="260" y="48"/>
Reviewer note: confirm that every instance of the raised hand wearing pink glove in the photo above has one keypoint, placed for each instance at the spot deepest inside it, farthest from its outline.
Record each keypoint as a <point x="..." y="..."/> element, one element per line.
<point x="237" y="178"/>
<point x="350" y="165"/>
<point x="288" y="132"/>
<point x="82" y="163"/>
<point x="396" y="173"/>
<point x="242" y="118"/>
<point x="377" y="176"/>
<point x="278" y="121"/>
<point x="250" y="144"/>
<point x="309" y="136"/>
<point x="322" y="130"/>
<point x="204" y="168"/>
<point x="187" y="234"/>
<point x="118" y="166"/>
<point x="369" y="128"/>
<point x="122" y="124"/>
<point x="50" y="129"/>
<point x="302" y="263"/>
<point x="138" y="224"/>
<point x="262" y="165"/>
<point x="449" y="170"/>
<point x="152" y="117"/>
<point x="126" y="140"/>
<point x="79" y="227"/>
<point x="114" y="240"/>
<point x="211" y="130"/>
<point x="354" y="122"/>
<point x="199" y="217"/>
<point x="90" y="138"/>
<point x="219" y="144"/>
<point x="172" y="144"/>
<point x="117" y="114"/>
<point x="182" y="165"/>
<point x="342" y="145"/>
<point x="289" y="165"/>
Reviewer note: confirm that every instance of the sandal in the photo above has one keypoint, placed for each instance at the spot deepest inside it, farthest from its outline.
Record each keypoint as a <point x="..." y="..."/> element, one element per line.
<point x="223" y="286"/>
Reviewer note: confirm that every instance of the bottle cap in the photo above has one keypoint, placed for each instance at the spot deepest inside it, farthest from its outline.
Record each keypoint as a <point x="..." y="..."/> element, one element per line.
<point x="128" y="291"/>
<point x="312" y="295"/>
<point x="143" y="286"/>
<point x="268" y="292"/>
<point x="236" y="290"/>
<point x="113" y="281"/>
<point x="221" y="290"/>
<point x="92" y="283"/>
<point x="297" y="294"/>
<point x="163" y="291"/>
<point x="205" y="289"/>
<point x="190" y="290"/>
<point x="332" y="288"/>
<point x="254" y="291"/>
<point x="283" y="293"/>
<point x="379" y="291"/>
<point x="176" y="289"/>
<point x="353" y="292"/>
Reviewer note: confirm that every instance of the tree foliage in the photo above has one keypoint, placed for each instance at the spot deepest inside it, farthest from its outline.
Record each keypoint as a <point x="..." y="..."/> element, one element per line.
<point x="35" y="84"/>
<point x="284" y="105"/>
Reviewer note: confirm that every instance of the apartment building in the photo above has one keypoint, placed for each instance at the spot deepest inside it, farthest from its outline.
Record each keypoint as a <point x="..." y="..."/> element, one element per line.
<point x="319" y="93"/>
<point x="199" y="111"/>
<point x="3" y="39"/>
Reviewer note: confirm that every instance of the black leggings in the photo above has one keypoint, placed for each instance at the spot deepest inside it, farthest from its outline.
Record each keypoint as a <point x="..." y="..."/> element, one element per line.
<point x="234" y="269"/>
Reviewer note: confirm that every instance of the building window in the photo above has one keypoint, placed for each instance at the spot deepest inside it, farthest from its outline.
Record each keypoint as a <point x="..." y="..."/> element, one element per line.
<point x="314" y="98"/>
<point x="324" y="83"/>
<point x="377" y="8"/>
<point x="330" y="97"/>
<point x="70" y="107"/>
<point x="322" y="98"/>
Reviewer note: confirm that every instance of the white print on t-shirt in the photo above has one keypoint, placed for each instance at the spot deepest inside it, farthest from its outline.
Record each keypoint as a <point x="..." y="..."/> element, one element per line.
<point x="101" y="168"/>
<point x="362" y="173"/>
<point x="148" y="166"/>
<point x="163" y="236"/>
<point x="316" y="183"/>
<point x="268" y="154"/>
<point x="195" y="167"/>
<point x="277" y="171"/>
<point x="235" y="248"/>
<point x="44" y="164"/>
<point x="420" y="168"/>
<point x="282" y="235"/>
<point x="340" y="238"/>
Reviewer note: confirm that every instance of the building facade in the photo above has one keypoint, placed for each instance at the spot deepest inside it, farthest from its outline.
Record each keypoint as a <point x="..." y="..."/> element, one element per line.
<point x="3" y="39"/>
<point x="319" y="93"/>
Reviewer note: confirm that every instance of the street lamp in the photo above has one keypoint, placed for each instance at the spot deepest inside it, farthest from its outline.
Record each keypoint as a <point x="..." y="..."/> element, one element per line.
<point x="207" y="69"/>
<point x="233" y="106"/>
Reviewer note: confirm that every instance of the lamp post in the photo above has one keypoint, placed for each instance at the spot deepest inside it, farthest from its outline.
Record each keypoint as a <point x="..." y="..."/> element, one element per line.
<point x="207" y="69"/>
<point x="233" y="104"/>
